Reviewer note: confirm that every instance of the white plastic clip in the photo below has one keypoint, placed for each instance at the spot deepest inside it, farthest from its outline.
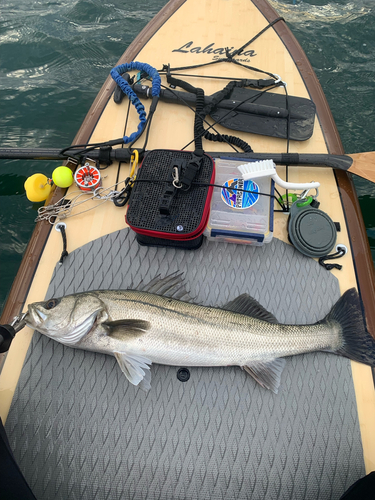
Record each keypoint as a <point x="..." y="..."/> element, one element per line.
<point x="279" y="80"/>
<point x="59" y="225"/>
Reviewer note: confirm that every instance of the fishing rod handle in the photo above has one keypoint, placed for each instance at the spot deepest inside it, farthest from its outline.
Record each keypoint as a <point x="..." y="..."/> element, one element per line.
<point x="167" y="95"/>
<point x="7" y="333"/>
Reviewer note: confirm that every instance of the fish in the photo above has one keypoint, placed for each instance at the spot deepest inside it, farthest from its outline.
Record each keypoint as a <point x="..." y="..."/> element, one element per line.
<point x="160" y="323"/>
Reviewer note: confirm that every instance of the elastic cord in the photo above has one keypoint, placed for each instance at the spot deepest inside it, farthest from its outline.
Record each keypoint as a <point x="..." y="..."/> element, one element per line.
<point x="126" y="88"/>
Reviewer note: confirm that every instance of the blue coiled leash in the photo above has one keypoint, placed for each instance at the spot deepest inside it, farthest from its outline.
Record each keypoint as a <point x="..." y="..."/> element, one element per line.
<point x="126" y="88"/>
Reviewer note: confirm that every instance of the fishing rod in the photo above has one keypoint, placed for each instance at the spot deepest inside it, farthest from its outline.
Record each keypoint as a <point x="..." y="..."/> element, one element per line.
<point x="360" y="164"/>
<point x="8" y="332"/>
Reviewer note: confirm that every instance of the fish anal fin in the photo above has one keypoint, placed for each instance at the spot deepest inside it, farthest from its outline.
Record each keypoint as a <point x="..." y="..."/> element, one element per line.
<point x="136" y="368"/>
<point x="126" y="326"/>
<point x="267" y="373"/>
<point x="244" y="304"/>
<point x="145" y="383"/>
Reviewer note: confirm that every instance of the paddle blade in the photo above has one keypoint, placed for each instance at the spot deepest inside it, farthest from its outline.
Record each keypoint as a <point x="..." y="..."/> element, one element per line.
<point x="363" y="165"/>
<point x="245" y="117"/>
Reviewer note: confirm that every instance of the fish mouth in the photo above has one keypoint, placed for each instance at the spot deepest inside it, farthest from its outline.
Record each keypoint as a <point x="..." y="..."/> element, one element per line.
<point x="34" y="317"/>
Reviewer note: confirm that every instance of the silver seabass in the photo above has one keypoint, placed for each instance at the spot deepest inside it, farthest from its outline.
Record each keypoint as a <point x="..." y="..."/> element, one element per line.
<point x="141" y="327"/>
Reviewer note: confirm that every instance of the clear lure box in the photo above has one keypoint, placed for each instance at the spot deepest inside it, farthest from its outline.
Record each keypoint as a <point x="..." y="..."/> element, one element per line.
<point x="238" y="216"/>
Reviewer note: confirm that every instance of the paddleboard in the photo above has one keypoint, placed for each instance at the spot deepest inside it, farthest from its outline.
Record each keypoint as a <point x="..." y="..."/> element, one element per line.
<point x="172" y="442"/>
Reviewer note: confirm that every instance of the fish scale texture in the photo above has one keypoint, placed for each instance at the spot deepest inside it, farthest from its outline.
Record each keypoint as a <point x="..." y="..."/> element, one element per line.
<point x="80" y="431"/>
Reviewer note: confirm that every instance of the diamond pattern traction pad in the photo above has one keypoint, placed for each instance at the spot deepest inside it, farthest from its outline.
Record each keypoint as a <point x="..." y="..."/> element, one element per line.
<point x="80" y="431"/>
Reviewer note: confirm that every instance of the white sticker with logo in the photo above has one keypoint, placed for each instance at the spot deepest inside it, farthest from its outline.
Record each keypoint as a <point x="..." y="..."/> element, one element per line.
<point x="235" y="193"/>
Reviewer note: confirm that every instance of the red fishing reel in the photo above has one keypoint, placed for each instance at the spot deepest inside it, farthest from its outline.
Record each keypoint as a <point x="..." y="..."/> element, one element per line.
<point x="87" y="177"/>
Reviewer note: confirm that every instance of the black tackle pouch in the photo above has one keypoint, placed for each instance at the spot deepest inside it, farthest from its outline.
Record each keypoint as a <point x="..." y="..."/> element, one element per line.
<point x="170" y="201"/>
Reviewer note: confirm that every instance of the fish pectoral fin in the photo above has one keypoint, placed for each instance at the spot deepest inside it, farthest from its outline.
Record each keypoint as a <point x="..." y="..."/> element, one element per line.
<point x="244" y="304"/>
<point x="136" y="368"/>
<point x="267" y="373"/>
<point x="135" y="326"/>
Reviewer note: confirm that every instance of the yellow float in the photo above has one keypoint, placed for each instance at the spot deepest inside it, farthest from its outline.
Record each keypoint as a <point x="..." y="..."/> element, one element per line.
<point x="37" y="187"/>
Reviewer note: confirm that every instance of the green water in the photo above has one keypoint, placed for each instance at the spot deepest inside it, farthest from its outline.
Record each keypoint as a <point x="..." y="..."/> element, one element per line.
<point x="55" y="56"/>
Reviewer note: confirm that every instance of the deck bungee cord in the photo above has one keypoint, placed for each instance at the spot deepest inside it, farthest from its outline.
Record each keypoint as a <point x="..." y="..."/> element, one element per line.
<point x="230" y="56"/>
<point x="63" y="209"/>
<point x="200" y="114"/>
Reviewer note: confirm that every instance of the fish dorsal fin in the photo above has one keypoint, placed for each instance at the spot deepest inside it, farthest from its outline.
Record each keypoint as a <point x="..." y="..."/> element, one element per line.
<point x="244" y="304"/>
<point x="136" y="368"/>
<point x="172" y="286"/>
<point x="267" y="373"/>
<point x="135" y="326"/>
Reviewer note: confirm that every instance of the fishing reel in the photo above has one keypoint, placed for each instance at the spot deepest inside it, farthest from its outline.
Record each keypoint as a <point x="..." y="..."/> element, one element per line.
<point x="87" y="177"/>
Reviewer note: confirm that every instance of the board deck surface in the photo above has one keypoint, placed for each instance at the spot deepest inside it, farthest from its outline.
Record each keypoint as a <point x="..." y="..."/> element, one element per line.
<point x="171" y="40"/>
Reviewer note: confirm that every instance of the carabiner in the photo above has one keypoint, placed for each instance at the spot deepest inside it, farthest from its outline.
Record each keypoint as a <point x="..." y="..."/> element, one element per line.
<point x="123" y="196"/>
<point x="304" y="194"/>
<point x="135" y="159"/>
<point x="176" y="179"/>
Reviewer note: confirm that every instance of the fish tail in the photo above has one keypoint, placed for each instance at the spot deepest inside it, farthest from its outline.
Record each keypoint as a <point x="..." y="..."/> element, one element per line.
<point x="357" y="343"/>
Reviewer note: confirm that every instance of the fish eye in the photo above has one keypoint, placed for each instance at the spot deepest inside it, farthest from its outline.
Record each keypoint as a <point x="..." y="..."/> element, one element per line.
<point x="50" y="304"/>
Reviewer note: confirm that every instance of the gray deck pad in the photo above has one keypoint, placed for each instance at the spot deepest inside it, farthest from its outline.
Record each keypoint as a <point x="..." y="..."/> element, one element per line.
<point x="79" y="430"/>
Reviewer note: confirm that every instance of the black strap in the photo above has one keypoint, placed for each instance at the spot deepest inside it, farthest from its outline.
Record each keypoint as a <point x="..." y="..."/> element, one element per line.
<point x="64" y="253"/>
<point x="193" y="166"/>
<point x="166" y="200"/>
<point x="198" y="122"/>
<point x="340" y="253"/>
<point x="191" y="170"/>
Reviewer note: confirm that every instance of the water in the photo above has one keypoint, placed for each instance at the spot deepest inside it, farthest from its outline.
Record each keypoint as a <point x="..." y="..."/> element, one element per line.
<point x="55" y="56"/>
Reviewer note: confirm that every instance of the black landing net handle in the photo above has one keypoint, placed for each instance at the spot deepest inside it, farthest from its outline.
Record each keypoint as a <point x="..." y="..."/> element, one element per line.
<point x="8" y="332"/>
